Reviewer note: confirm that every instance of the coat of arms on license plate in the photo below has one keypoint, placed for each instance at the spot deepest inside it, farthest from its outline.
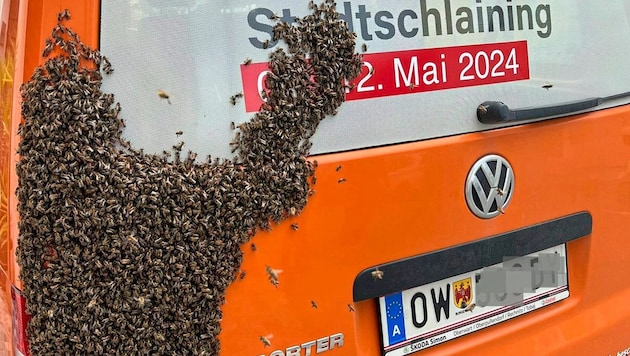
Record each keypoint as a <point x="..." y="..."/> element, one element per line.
<point x="462" y="293"/>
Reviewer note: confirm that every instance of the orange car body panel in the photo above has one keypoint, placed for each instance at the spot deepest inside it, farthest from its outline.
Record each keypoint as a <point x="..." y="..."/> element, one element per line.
<point x="408" y="199"/>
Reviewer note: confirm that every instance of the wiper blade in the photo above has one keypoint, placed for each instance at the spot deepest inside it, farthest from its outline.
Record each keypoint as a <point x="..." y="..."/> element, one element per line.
<point x="496" y="112"/>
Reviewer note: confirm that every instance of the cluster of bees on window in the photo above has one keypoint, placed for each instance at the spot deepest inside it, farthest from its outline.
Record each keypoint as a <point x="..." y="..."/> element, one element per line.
<point x="124" y="252"/>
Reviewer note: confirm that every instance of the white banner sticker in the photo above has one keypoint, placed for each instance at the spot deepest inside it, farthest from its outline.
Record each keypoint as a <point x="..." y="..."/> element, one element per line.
<point x="428" y="65"/>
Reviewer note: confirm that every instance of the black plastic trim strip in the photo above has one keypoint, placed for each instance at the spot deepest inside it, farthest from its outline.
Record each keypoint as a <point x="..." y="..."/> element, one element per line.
<point x="496" y="112"/>
<point x="434" y="266"/>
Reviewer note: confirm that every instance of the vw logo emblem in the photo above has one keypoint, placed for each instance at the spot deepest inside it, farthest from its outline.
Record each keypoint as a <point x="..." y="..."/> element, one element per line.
<point x="489" y="186"/>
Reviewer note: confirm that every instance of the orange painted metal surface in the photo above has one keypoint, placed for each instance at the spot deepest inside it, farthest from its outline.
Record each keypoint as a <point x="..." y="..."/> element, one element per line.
<point x="405" y="200"/>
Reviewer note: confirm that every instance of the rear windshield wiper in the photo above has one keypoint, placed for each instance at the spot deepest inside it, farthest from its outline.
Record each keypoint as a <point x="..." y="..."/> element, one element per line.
<point x="496" y="112"/>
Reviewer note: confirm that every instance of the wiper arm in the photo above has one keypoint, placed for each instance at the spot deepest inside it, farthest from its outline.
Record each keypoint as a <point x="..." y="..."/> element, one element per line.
<point x="496" y="112"/>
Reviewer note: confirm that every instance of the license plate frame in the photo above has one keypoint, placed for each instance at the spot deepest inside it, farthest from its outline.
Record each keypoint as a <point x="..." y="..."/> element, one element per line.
<point x="541" y="278"/>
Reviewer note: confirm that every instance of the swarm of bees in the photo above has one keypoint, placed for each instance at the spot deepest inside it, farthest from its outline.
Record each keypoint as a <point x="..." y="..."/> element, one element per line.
<point x="124" y="252"/>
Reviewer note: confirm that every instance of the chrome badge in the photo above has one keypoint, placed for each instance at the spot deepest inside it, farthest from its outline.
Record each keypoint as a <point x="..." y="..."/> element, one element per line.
<point x="489" y="186"/>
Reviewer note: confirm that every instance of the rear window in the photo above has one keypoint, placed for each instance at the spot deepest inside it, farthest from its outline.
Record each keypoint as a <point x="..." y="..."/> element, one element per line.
<point x="428" y="65"/>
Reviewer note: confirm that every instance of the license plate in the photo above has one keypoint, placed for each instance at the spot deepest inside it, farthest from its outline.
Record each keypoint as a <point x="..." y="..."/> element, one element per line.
<point x="428" y="315"/>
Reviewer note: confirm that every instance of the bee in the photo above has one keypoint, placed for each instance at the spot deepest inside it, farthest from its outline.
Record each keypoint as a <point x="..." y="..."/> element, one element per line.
<point x="470" y="308"/>
<point x="164" y="95"/>
<point x="48" y="48"/>
<point x="338" y="168"/>
<point x="411" y="86"/>
<point x="232" y="126"/>
<point x="253" y="247"/>
<point x="377" y="274"/>
<point x="178" y="133"/>
<point x="311" y="192"/>
<point x="364" y="48"/>
<point x="242" y="274"/>
<point x="265" y="340"/>
<point x="341" y="180"/>
<point x="274" y="17"/>
<point x="92" y="304"/>
<point x="313" y="304"/>
<point x="482" y="109"/>
<point x="63" y="15"/>
<point x="350" y="308"/>
<point x="107" y="66"/>
<point x="178" y="147"/>
<point x="295" y="227"/>
<point x="265" y="44"/>
<point x="140" y="301"/>
<point x="547" y="86"/>
<point x="234" y="98"/>
<point x="192" y="156"/>
<point x="247" y="61"/>
<point x="500" y="191"/>
<point x="501" y="210"/>
<point x="271" y="273"/>
<point x="313" y="180"/>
